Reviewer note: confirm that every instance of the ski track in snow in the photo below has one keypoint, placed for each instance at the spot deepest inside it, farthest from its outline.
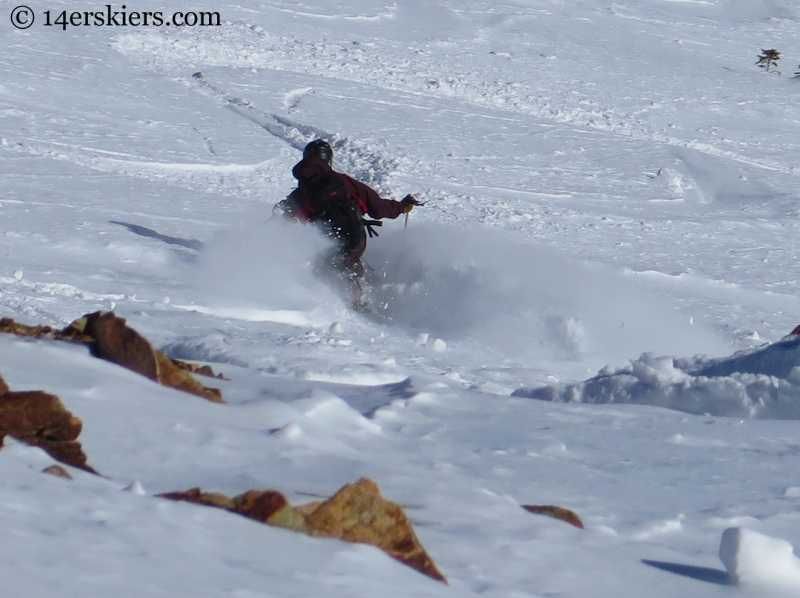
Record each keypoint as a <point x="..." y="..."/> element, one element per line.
<point x="244" y="45"/>
<point x="360" y="160"/>
<point x="248" y="179"/>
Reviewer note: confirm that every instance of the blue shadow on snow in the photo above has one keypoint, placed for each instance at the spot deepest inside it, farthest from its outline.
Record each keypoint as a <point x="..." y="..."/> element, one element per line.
<point x="699" y="573"/>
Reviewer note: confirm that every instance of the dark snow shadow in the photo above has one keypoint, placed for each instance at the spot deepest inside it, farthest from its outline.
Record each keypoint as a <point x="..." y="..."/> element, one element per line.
<point x="148" y="232"/>
<point x="714" y="576"/>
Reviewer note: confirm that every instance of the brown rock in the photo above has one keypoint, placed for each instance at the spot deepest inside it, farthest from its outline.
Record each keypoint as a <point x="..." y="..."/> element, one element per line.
<point x="36" y="413"/>
<point x="356" y="513"/>
<point x="795" y="332"/>
<point x="40" y="419"/>
<point x="200" y="370"/>
<point x="9" y="326"/>
<point x="196" y="496"/>
<point x="170" y="375"/>
<point x="57" y="471"/>
<point x="69" y="452"/>
<point x="111" y="339"/>
<point x="114" y="341"/>
<point x="260" y="505"/>
<point x="559" y="513"/>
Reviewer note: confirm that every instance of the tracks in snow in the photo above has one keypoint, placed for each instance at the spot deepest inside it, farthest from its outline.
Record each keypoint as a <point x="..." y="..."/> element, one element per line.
<point x="357" y="158"/>
<point x="411" y="70"/>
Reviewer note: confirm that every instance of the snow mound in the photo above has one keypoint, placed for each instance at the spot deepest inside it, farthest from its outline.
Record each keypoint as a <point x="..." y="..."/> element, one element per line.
<point x="760" y="561"/>
<point x="763" y="383"/>
<point x="333" y="412"/>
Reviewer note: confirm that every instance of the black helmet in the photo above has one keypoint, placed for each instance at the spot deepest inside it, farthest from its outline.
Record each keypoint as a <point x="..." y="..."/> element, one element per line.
<point x="319" y="148"/>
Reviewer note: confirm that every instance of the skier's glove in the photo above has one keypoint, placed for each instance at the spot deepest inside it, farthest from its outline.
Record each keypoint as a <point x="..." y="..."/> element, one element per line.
<point x="409" y="201"/>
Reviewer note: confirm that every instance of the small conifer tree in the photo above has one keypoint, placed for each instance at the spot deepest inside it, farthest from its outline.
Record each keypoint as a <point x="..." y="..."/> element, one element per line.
<point x="768" y="59"/>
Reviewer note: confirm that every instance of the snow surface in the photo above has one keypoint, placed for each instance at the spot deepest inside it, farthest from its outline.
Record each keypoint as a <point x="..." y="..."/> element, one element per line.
<point x="611" y="187"/>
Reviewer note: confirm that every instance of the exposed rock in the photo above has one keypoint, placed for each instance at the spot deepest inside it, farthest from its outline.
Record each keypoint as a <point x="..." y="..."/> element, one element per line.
<point x="40" y="419"/>
<point x="260" y="506"/>
<point x="36" y="413"/>
<point x="196" y="496"/>
<point x="66" y="451"/>
<point x="200" y="370"/>
<point x="559" y="513"/>
<point x="356" y="513"/>
<point x="57" y="471"/>
<point x="9" y="326"/>
<point x="114" y="341"/>
<point x="111" y="339"/>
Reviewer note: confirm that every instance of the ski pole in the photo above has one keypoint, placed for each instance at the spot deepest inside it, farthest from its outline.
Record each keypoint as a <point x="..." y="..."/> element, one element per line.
<point x="418" y="203"/>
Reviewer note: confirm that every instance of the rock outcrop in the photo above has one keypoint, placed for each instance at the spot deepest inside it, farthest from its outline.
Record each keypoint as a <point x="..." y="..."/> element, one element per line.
<point x="40" y="419"/>
<point x="57" y="471"/>
<point x="9" y="326"/>
<point x="113" y="340"/>
<point x="110" y="338"/>
<point x="356" y="513"/>
<point x="559" y="513"/>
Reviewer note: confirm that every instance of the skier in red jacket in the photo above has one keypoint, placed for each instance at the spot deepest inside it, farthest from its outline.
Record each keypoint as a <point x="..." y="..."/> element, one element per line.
<point x="337" y="203"/>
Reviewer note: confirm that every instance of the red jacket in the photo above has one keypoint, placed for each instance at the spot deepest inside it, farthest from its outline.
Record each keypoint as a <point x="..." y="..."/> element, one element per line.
<point x="370" y="202"/>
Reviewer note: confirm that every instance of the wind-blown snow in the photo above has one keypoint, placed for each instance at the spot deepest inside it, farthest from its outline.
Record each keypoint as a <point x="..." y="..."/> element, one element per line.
<point x="609" y="187"/>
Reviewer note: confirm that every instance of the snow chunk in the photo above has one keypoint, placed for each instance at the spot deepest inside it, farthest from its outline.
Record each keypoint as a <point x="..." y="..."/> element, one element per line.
<point x="755" y="559"/>
<point x="290" y="430"/>
<point x="333" y="412"/>
<point x="135" y="487"/>
<point x="356" y="378"/>
<point x="763" y="383"/>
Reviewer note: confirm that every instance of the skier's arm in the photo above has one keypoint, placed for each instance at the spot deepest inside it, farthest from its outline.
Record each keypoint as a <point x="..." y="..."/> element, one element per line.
<point x="377" y="206"/>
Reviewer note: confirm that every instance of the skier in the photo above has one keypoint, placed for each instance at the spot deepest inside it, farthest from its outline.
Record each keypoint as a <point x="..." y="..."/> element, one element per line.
<point x="337" y="203"/>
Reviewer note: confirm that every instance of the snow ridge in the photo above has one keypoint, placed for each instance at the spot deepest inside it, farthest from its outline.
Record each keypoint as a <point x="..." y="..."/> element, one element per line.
<point x="761" y="383"/>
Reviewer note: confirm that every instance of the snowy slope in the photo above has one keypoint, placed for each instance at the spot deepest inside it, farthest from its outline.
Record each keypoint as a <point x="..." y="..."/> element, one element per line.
<point x="605" y="181"/>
